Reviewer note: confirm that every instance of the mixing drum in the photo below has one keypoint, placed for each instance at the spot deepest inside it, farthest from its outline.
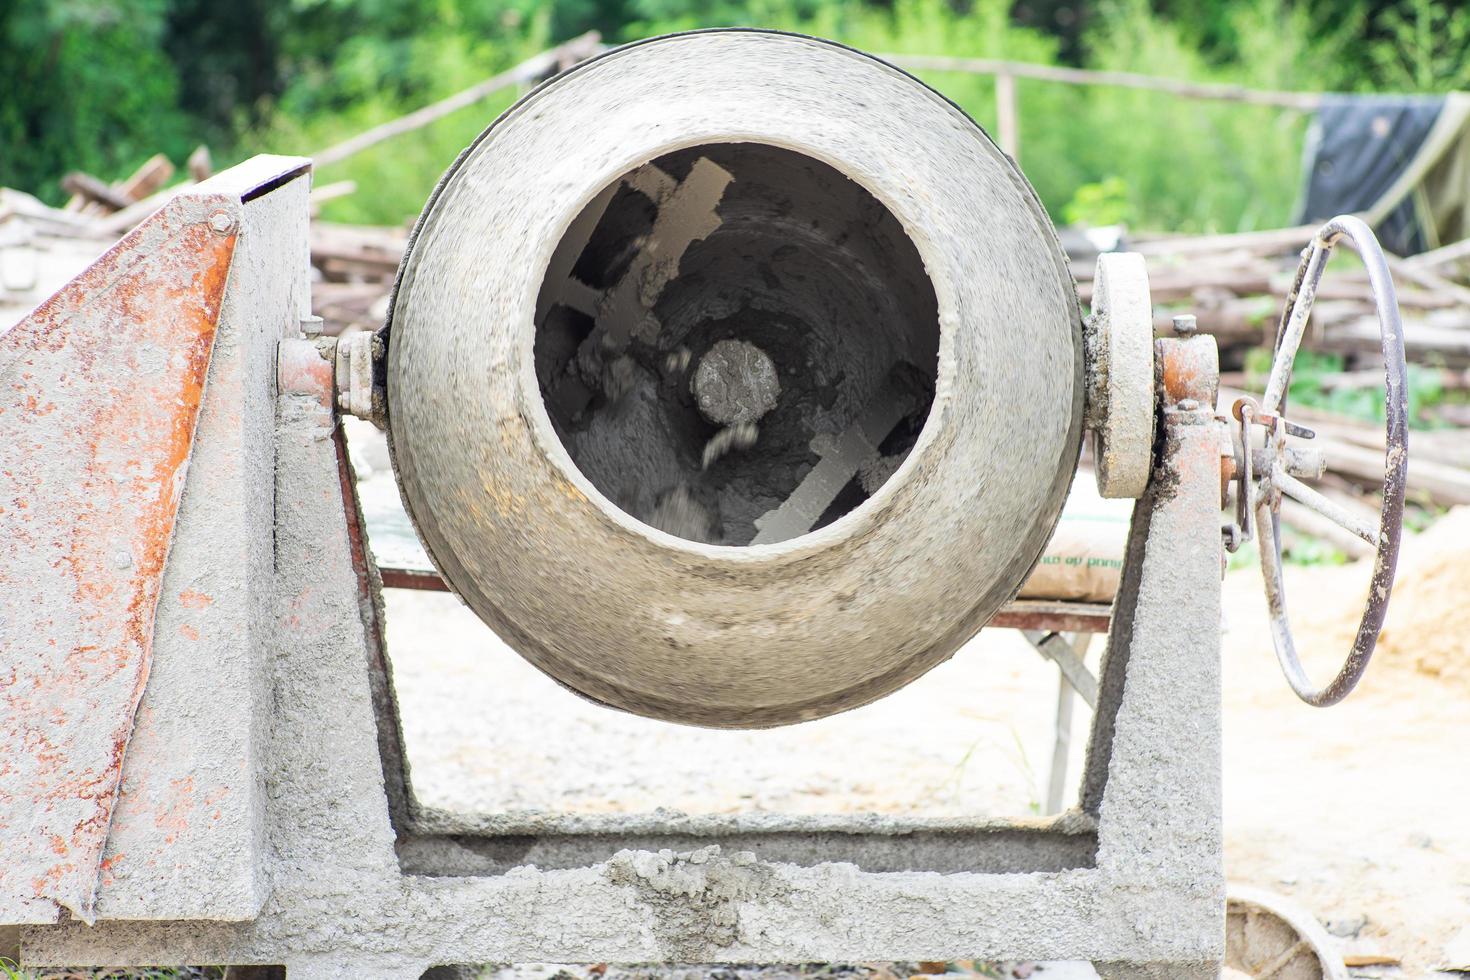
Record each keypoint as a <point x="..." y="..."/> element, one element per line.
<point x="763" y="397"/>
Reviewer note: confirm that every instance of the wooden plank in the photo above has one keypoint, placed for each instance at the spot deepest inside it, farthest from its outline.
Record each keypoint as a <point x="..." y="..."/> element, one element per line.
<point x="1007" y="119"/>
<point x="1442" y="483"/>
<point x="130" y="216"/>
<point x="1054" y="616"/>
<point x="1425" y="276"/>
<point x="330" y="192"/>
<point x="199" y="164"/>
<point x="1274" y="241"/>
<point x="91" y="188"/>
<point x="150" y="177"/>
<point x="1420" y="338"/>
<point x="1444" y="255"/>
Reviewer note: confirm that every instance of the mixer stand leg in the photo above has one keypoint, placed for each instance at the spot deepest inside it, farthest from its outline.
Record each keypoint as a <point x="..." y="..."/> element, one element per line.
<point x="1158" y="971"/>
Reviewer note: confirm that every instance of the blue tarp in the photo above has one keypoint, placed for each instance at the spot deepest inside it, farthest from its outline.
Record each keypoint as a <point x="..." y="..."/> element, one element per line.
<point x="1357" y="147"/>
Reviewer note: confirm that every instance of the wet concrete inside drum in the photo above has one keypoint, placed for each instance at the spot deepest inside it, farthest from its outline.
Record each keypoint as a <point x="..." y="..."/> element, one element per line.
<point x="736" y="343"/>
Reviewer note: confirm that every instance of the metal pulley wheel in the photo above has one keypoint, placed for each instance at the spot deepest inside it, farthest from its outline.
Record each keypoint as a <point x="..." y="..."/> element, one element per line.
<point x="729" y="400"/>
<point x="1120" y="375"/>
<point x="1267" y="474"/>
<point x="1268" y="937"/>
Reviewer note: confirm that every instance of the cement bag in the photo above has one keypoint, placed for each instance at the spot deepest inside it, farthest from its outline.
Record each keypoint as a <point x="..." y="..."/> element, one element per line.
<point x="1084" y="559"/>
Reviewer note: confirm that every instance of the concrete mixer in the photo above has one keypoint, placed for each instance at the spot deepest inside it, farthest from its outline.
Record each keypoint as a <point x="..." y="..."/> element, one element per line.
<point x="734" y="379"/>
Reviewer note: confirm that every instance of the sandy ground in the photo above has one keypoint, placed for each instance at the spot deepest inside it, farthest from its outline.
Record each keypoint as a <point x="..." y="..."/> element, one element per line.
<point x="487" y="732"/>
<point x="1360" y="812"/>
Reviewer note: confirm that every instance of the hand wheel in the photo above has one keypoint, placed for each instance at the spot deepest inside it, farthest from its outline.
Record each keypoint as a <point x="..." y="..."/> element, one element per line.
<point x="1265" y="475"/>
<point x="1268" y="937"/>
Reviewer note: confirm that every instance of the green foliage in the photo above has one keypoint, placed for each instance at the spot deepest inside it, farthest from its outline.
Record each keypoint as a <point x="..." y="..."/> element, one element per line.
<point x="1203" y="166"/>
<point x="1296" y="548"/>
<point x="1312" y="385"/>
<point x="99" y="85"/>
<point x="1102" y="203"/>
<point x="87" y="87"/>
<point x="1303" y="549"/>
<point x="396" y="176"/>
<point x="228" y="59"/>
<point x="1425" y="47"/>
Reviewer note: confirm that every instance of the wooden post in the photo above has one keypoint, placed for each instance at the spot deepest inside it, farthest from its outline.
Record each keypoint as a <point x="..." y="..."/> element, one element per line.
<point x="1007" y="123"/>
<point x="1061" y="752"/>
<point x="199" y="164"/>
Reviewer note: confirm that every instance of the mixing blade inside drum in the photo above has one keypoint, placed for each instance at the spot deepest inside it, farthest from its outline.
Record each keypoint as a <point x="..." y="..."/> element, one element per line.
<point x="736" y="343"/>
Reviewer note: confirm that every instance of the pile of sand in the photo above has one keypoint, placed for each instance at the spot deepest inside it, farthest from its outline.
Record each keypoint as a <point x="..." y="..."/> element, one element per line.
<point x="1428" y="624"/>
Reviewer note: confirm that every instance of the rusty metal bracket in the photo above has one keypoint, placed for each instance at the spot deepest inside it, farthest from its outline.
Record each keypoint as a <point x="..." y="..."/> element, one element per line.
<point x="1266" y="475"/>
<point x="101" y="388"/>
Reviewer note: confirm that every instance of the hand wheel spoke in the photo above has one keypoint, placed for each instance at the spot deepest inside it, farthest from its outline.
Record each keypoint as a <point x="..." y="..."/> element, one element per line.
<point x="1322" y="504"/>
<point x="1294" y="325"/>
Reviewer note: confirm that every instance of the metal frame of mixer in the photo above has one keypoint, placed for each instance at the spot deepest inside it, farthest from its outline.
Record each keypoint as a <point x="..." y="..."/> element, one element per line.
<point x="301" y="844"/>
<point x="349" y="876"/>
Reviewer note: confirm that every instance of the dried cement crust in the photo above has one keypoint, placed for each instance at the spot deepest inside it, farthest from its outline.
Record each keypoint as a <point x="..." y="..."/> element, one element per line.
<point x="726" y="636"/>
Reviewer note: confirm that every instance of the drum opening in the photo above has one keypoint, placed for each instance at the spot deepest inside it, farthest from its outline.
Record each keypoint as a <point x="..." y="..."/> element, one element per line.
<point x="736" y="343"/>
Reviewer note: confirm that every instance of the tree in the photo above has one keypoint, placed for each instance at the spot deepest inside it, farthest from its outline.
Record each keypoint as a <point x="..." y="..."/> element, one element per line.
<point x="87" y="87"/>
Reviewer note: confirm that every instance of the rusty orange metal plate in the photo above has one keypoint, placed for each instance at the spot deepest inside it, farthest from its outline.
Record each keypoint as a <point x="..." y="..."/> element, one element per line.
<point x="100" y="389"/>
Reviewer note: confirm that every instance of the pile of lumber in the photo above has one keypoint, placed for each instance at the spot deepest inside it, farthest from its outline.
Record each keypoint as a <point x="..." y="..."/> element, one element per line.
<point x="355" y="266"/>
<point x="1235" y="285"/>
<point x="43" y="247"/>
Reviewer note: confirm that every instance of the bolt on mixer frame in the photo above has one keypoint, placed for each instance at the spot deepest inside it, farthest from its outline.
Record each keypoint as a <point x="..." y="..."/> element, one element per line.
<point x="278" y="827"/>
